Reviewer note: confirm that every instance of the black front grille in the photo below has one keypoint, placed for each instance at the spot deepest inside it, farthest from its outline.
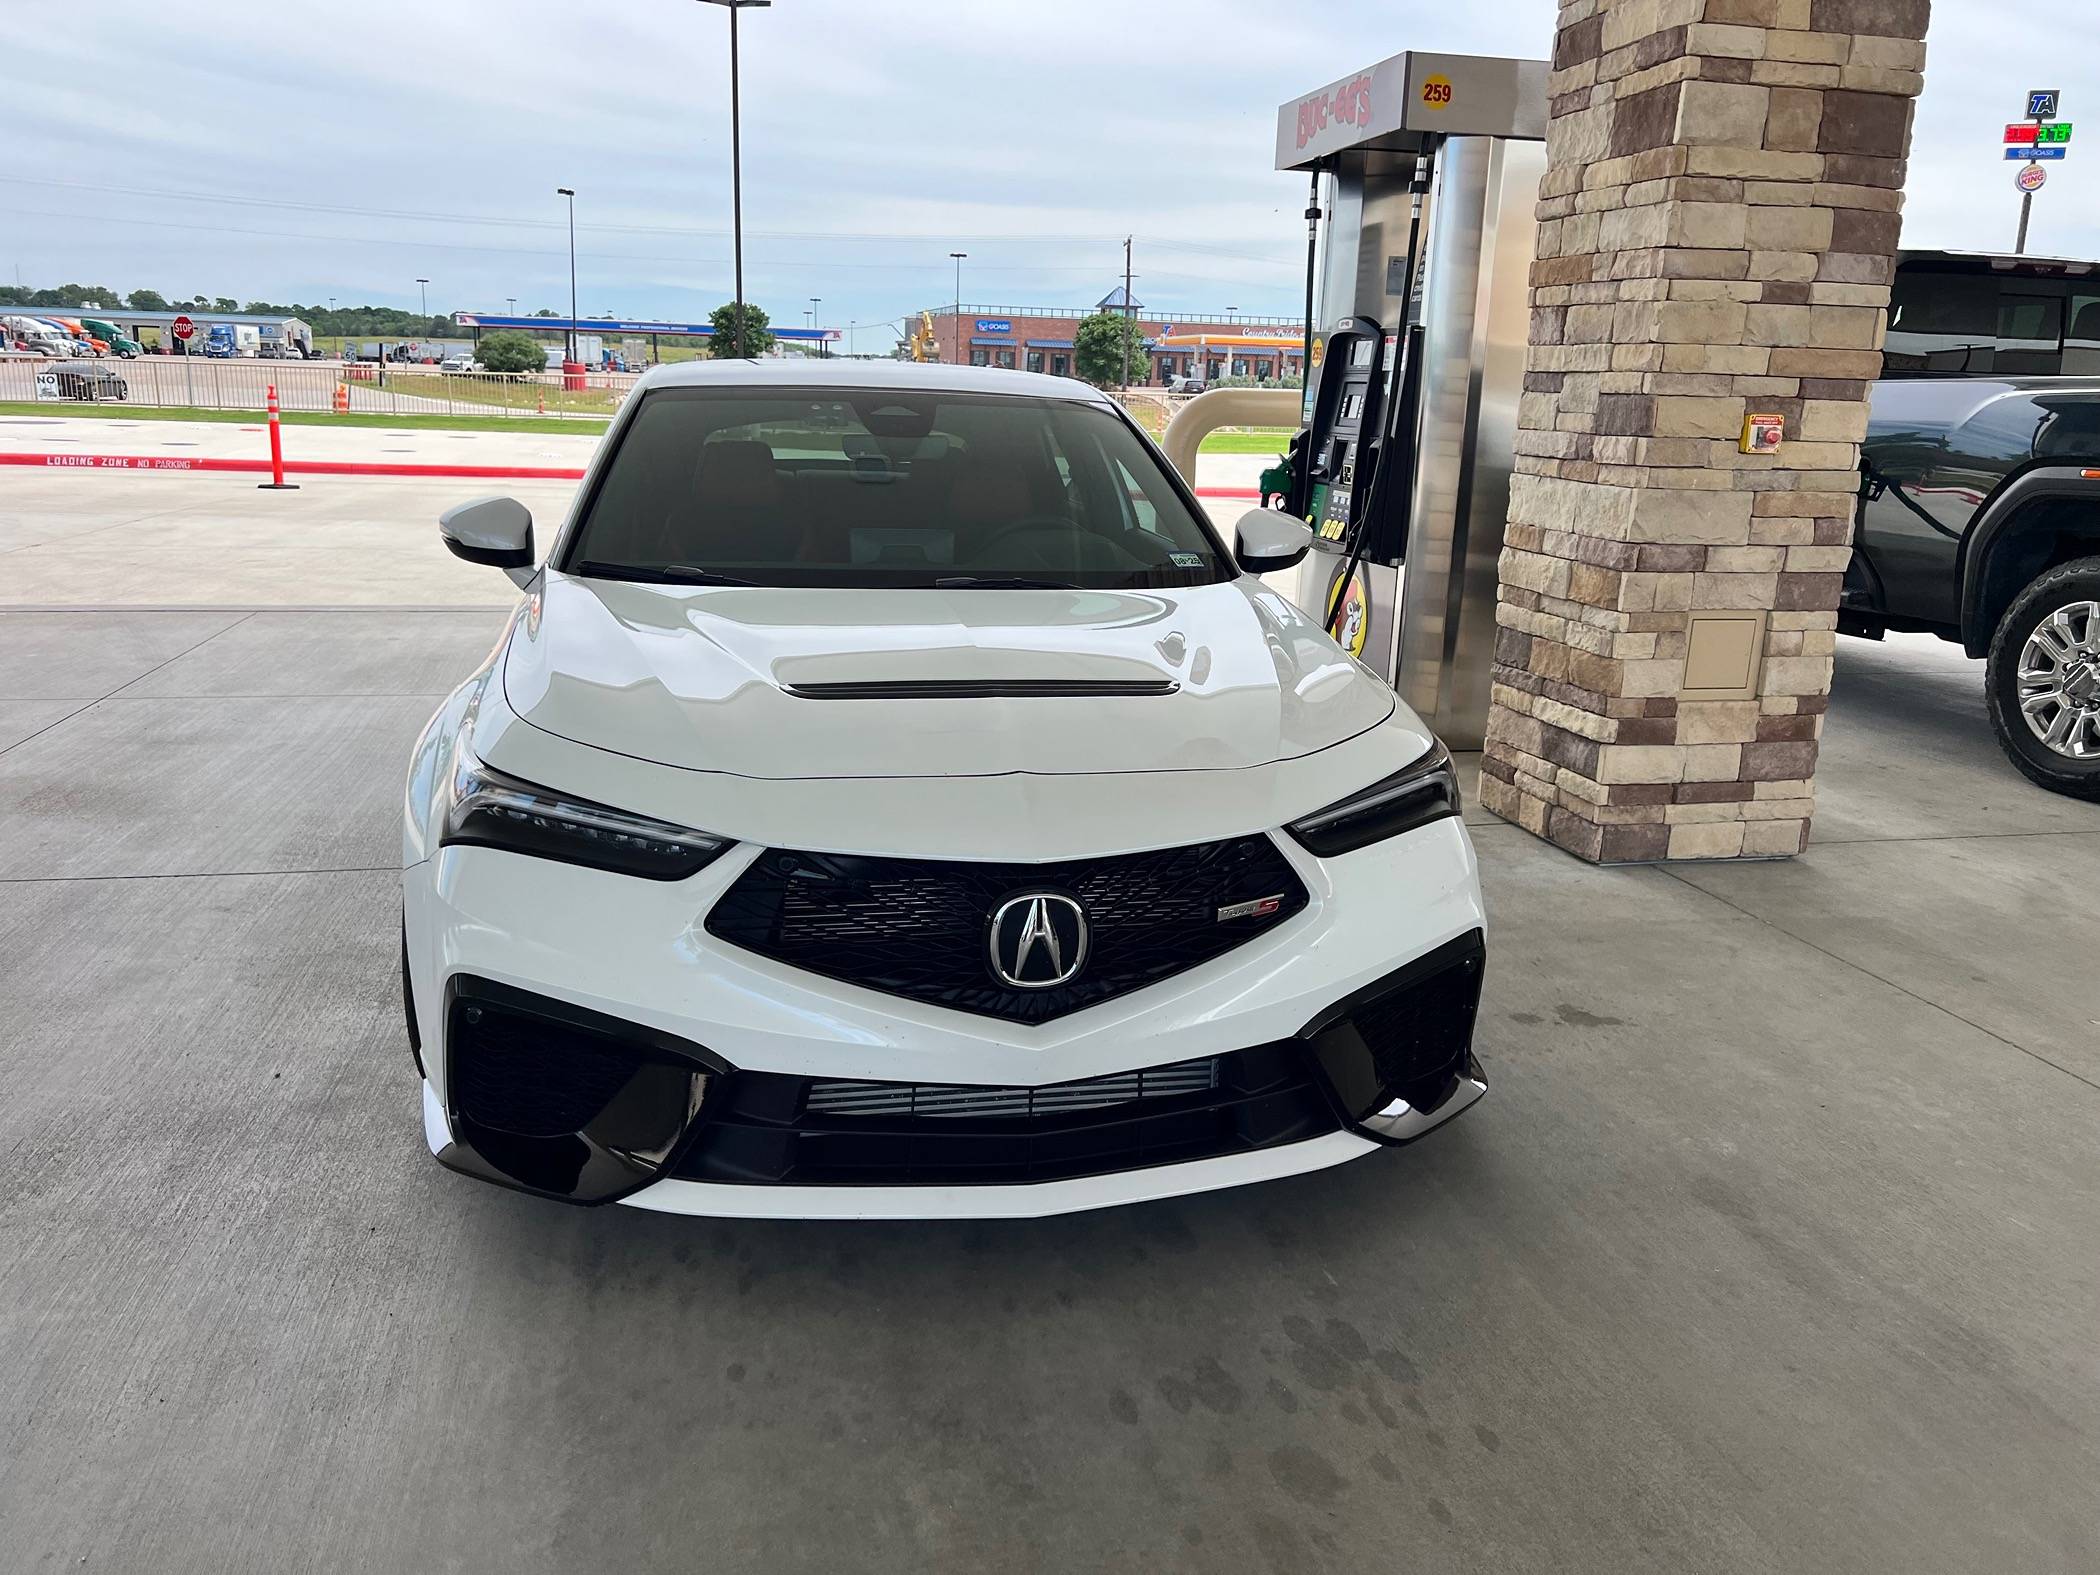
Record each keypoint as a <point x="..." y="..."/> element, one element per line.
<point x="770" y="1128"/>
<point x="918" y="928"/>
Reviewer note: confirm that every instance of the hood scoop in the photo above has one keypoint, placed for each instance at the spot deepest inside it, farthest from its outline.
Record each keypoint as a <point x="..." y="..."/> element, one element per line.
<point x="987" y="689"/>
<point x="971" y="683"/>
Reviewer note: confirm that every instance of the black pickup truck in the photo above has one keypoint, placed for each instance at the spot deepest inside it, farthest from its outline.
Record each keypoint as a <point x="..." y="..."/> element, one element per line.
<point x="1979" y="517"/>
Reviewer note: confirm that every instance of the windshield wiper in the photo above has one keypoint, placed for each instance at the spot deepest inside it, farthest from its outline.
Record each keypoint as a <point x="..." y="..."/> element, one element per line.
<point x="999" y="582"/>
<point x="658" y="574"/>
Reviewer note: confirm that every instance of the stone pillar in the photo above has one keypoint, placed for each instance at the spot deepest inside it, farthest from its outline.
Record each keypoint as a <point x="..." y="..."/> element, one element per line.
<point x="1717" y="232"/>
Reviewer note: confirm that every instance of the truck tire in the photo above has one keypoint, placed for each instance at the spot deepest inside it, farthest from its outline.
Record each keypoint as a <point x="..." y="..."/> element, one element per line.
<point x="2043" y="680"/>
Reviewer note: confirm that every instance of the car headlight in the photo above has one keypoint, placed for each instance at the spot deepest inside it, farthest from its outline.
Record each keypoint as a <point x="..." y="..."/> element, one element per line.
<point x="491" y="810"/>
<point x="1425" y="791"/>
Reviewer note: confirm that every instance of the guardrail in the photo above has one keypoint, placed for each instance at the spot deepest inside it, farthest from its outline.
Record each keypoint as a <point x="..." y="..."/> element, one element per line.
<point x="243" y="383"/>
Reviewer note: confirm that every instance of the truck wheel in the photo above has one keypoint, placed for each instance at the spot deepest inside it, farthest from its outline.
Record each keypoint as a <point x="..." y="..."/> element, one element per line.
<point x="2043" y="680"/>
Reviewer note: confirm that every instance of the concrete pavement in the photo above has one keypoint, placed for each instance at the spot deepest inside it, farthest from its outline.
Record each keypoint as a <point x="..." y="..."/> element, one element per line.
<point x="1796" y="1272"/>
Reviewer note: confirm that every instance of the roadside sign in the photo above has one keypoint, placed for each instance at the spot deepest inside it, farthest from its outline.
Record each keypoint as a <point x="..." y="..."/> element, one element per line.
<point x="2042" y="102"/>
<point x="2032" y="178"/>
<point x="2036" y="153"/>
<point x="2053" y="132"/>
<point x="183" y="328"/>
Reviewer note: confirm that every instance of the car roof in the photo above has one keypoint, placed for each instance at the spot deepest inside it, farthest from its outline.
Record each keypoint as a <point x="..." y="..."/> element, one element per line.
<point x="904" y="376"/>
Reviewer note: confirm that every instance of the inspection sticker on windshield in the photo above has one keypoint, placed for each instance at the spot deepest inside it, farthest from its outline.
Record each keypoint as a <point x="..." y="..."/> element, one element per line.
<point x="1187" y="560"/>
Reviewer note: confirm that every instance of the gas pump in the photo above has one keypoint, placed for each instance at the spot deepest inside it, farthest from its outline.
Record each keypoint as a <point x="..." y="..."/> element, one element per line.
<point x="1336" y="461"/>
<point x="1431" y="165"/>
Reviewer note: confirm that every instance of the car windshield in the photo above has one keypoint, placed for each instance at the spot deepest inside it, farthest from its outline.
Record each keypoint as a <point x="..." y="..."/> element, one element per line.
<point x="883" y="488"/>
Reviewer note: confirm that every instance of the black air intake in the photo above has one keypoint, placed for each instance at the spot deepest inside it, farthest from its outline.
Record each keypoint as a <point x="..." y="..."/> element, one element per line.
<point x="556" y="1099"/>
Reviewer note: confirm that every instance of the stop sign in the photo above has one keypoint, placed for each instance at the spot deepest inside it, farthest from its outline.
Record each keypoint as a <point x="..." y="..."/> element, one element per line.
<point x="184" y="328"/>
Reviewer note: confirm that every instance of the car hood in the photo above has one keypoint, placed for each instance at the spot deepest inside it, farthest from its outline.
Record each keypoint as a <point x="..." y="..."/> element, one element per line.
<point x="1208" y="678"/>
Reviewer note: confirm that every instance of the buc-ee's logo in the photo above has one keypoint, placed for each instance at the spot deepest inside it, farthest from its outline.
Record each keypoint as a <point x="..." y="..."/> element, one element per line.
<point x="1348" y="103"/>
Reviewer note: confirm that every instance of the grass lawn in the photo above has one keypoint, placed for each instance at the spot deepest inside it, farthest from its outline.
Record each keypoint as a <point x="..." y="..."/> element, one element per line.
<point x="580" y="426"/>
<point x="485" y="391"/>
<point x="1269" y="441"/>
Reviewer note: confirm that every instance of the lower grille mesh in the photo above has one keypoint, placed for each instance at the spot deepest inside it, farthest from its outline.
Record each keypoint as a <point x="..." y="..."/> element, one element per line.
<point x="965" y="1100"/>
<point x="771" y="1127"/>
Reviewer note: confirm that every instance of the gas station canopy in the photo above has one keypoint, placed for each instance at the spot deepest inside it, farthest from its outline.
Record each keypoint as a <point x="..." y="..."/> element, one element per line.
<point x="1395" y="104"/>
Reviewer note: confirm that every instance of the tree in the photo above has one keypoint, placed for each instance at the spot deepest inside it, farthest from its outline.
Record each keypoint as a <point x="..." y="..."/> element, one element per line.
<point x="225" y="303"/>
<point x="512" y="350"/>
<point x="148" y="301"/>
<point x="758" y="335"/>
<point x="1098" y="349"/>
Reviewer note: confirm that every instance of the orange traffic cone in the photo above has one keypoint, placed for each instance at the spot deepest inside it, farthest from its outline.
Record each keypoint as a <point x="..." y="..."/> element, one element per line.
<point x="543" y="402"/>
<point x="342" y="397"/>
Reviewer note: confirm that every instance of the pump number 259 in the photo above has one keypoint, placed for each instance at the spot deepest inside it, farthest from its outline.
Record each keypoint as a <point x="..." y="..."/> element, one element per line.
<point x="1436" y="92"/>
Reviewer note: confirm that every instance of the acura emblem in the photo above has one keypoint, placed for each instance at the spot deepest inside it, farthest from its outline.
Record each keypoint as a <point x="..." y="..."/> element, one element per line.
<point x="1037" y="940"/>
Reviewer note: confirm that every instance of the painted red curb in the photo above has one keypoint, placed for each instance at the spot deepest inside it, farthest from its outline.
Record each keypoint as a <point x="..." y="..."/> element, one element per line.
<point x="348" y="467"/>
<point x="305" y="467"/>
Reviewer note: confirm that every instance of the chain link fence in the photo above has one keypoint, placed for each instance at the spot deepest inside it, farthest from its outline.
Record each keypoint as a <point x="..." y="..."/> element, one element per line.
<point x="363" y="387"/>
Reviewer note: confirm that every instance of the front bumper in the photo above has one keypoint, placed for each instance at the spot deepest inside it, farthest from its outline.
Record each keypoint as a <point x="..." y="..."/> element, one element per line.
<point x="1299" y="1087"/>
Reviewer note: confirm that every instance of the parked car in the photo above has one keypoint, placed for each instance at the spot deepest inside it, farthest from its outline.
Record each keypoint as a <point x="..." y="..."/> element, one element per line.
<point x="1059" y="864"/>
<point x="82" y="380"/>
<point x="1186" y="385"/>
<point x="1979" y="518"/>
<point x="459" y="361"/>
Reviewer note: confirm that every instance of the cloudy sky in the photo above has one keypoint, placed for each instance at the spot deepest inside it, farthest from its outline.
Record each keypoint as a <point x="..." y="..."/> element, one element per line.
<point x="302" y="152"/>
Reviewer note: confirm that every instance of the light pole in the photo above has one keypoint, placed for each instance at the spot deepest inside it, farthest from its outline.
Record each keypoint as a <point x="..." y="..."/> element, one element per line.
<point x="958" y="256"/>
<point x="423" y="290"/>
<point x="816" y="301"/>
<point x="736" y="160"/>
<point x="569" y="341"/>
<point x="513" y="300"/>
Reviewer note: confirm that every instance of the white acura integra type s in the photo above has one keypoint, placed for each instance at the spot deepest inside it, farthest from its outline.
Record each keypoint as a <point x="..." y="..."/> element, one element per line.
<point x="892" y="799"/>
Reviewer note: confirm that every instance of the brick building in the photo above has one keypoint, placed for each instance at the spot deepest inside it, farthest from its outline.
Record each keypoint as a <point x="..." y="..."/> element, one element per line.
<point x="1039" y="339"/>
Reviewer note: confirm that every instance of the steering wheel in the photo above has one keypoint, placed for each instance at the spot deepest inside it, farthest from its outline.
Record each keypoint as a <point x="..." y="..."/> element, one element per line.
<point x="1028" y="522"/>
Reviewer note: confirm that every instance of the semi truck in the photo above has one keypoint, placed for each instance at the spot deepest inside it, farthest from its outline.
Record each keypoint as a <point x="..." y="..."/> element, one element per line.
<point x="224" y="341"/>
<point x="120" y="343"/>
<point x="34" y="335"/>
<point x="590" y="350"/>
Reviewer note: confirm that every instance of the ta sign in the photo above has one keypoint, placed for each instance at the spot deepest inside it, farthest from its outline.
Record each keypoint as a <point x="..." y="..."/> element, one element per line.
<point x="2042" y="102"/>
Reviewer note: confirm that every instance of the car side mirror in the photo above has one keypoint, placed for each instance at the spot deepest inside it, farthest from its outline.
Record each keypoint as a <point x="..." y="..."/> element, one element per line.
<point x="1266" y="540"/>
<point x="494" y="531"/>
